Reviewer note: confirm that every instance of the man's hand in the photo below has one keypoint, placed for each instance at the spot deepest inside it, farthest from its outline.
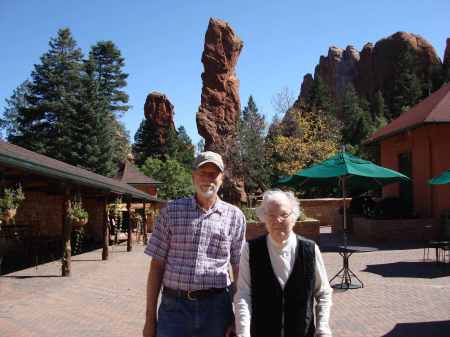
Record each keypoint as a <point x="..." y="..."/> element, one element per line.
<point x="149" y="329"/>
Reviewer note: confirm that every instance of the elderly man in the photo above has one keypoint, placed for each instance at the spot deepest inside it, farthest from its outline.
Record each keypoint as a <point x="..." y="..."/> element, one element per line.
<point x="194" y="242"/>
<point x="280" y="276"/>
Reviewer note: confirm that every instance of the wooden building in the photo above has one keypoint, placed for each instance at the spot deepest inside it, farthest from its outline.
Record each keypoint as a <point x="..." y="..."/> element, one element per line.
<point x="49" y="186"/>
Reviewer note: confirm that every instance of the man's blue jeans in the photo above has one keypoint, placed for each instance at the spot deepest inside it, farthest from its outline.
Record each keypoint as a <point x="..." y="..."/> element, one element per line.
<point x="208" y="317"/>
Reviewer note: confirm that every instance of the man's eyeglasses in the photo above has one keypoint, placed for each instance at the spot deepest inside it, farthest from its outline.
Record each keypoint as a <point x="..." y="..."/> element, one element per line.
<point x="280" y="217"/>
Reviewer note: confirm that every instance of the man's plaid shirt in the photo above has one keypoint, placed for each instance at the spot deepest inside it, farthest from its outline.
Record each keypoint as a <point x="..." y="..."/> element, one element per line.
<point x="196" y="245"/>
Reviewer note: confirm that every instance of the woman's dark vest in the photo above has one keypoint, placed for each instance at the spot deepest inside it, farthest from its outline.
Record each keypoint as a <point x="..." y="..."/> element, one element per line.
<point x="269" y="301"/>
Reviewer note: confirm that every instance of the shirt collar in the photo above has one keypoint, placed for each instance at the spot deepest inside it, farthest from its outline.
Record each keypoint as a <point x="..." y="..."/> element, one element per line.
<point x="285" y="245"/>
<point x="219" y="205"/>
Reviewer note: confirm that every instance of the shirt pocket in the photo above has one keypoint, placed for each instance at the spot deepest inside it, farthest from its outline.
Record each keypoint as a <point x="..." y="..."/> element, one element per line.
<point x="218" y="244"/>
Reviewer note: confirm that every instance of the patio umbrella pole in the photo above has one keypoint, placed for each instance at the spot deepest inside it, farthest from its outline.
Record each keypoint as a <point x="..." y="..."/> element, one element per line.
<point x="345" y="211"/>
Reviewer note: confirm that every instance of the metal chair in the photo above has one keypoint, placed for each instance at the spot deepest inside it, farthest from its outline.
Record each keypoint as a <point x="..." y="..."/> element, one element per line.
<point x="426" y="237"/>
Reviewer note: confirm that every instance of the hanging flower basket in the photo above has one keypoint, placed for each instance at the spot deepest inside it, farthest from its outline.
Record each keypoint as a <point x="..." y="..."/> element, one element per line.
<point x="79" y="222"/>
<point x="8" y="214"/>
<point x="10" y="200"/>
<point x="78" y="215"/>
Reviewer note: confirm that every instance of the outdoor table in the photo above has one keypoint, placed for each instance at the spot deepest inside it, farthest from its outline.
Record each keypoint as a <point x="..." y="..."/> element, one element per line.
<point x="438" y="245"/>
<point x="346" y="273"/>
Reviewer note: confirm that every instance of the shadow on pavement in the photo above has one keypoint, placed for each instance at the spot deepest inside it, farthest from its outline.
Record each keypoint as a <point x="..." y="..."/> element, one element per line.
<point x="425" y="270"/>
<point x="425" y="329"/>
<point x="20" y="277"/>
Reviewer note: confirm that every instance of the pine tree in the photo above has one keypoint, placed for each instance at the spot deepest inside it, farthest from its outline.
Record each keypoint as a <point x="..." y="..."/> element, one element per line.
<point x="109" y="63"/>
<point x="42" y="124"/>
<point x="320" y="98"/>
<point x="250" y="142"/>
<point x="177" y="144"/>
<point x="10" y="121"/>
<point x="407" y="89"/>
<point x="186" y="150"/>
<point x="378" y="107"/>
<point x="357" y="120"/>
<point x="91" y="130"/>
<point x="108" y="73"/>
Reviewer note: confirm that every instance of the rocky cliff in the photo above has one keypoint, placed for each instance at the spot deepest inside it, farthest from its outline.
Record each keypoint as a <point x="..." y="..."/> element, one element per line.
<point x="374" y="67"/>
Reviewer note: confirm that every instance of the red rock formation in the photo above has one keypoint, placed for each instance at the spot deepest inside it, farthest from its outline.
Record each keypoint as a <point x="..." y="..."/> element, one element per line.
<point x="388" y="51"/>
<point x="374" y="68"/>
<point x="305" y="90"/>
<point x="365" y="80"/>
<point x="447" y="52"/>
<point x="338" y="69"/>
<point x="446" y="61"/>
<point x="160" y="111"/>
<point x="220" y="104"/>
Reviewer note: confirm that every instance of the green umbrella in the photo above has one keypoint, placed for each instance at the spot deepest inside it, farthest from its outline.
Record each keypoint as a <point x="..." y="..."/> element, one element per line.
<point x="442" y="179"/>
<point x="352" y="173"/>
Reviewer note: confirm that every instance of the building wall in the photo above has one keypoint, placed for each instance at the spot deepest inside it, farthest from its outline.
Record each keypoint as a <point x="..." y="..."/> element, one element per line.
<point x="152" y="190"/>
<point x="44" y="213"/>
<point x="429" y="146"/>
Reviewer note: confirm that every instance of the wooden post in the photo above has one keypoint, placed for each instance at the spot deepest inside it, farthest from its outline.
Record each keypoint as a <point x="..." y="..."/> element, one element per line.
<point x="130" y="231"/>
<point x="105" y="252"/>
<point x="66" y="232"/>
<point x="144" y="225"/>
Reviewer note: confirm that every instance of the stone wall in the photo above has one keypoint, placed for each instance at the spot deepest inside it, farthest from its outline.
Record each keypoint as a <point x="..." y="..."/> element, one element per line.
<point x="309" y="228"/>
<point x="325" y="210"/>
<point x="375" y="230"/>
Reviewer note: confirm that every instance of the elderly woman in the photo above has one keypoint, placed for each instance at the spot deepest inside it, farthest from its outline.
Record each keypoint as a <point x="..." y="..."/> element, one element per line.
<point x="281" y="274"/>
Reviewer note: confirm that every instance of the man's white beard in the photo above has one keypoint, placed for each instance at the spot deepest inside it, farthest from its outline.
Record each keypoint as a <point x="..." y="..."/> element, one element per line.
<point x="209" y="193"/>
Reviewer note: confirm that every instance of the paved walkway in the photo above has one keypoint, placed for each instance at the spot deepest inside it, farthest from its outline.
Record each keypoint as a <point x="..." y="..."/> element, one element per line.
<point x="403" y="296"/>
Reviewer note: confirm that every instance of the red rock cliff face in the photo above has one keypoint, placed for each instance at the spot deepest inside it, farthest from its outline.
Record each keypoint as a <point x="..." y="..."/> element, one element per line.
<point x="160" y="111"/>
<point x="338" y="69"/>
<point x="446" y="61"/>
<point x="220" y="104"/>
<point x="373" y="68"/>
<point x="388" y="51"/>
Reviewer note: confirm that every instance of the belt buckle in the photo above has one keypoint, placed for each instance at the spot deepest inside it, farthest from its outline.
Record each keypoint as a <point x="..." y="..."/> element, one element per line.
<point x="189" y="296"/>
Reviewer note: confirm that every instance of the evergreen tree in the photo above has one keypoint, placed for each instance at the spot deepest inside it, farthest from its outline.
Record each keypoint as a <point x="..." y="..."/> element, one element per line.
<point x="320" y="98"/>
<point x="108" y="73"/>
<point x="407" y="88"/>
<point x="378" y="107"/>
<point x="91" y="130"/>
<point x="10" y="120"/>
<point x="250" y="142"/>
<point x="357" y="121"/>
<point x="108" y="63"/>
<point x="43" y="122"/>
<point x="145" y="143"/>
<point x="177" y="144"/>
<point x="186" y="151"/>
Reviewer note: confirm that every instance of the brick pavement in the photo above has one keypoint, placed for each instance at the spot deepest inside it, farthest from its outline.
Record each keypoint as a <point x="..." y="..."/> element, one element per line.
<point x="403" y="296"/>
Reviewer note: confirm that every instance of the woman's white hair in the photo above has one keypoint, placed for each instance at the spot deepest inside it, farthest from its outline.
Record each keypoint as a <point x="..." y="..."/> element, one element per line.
<point x="277" y="195"/>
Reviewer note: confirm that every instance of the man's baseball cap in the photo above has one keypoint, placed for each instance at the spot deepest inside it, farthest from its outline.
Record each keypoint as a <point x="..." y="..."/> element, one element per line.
<point x="208" y="157"/>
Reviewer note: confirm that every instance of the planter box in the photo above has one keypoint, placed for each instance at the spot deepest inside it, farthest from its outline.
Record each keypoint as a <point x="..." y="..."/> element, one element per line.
<point x="389" y="230"/>
<point x="309" y="228"/>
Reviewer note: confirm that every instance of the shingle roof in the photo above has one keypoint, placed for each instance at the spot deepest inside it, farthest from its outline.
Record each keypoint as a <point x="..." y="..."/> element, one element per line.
<point x="130" y="174"/>
<point x="433" y="109"/>
<point x="16" y="156"/>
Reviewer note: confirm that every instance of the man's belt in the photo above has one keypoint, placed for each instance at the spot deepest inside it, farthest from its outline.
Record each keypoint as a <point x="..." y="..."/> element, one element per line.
<point x="194" y="294"/>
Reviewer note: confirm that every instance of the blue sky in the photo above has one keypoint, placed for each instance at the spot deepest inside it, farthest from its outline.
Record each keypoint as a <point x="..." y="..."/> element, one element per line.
<point x="162" y="41"/>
